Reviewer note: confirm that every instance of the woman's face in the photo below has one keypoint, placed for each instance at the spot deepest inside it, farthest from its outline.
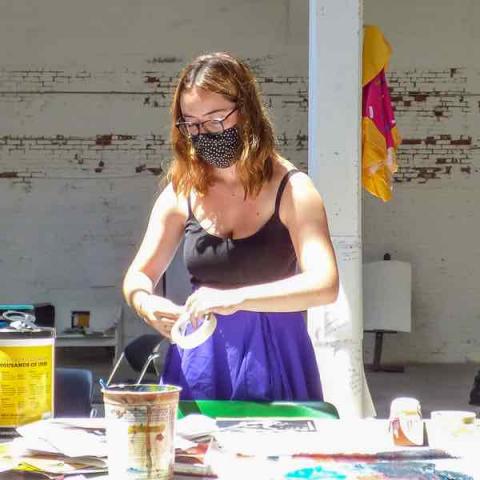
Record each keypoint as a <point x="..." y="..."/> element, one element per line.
<point x="209" y="120"/>
<point x="199" y="105"/>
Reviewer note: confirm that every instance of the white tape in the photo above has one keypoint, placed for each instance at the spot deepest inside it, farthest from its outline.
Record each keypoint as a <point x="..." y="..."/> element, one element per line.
<point x="198" y="336"/>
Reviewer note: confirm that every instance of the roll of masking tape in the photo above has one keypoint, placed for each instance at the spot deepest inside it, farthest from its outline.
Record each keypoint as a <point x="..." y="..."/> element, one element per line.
<point x="198" y="336"/>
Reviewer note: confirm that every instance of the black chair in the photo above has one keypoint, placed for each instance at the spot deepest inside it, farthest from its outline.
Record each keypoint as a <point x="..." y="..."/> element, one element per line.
<point x="144" y="354"/>
<point x="73" y="392"/>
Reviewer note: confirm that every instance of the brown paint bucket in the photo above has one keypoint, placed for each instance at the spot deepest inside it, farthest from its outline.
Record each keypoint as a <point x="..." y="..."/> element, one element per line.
<point x="140" y="428"/>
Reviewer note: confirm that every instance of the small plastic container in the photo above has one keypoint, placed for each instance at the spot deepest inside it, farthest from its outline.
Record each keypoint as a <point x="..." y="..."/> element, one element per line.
<point x="406" y="424"/>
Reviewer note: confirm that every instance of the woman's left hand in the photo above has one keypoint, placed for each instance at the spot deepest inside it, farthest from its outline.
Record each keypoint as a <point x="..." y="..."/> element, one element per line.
<point x="211" y="300"/>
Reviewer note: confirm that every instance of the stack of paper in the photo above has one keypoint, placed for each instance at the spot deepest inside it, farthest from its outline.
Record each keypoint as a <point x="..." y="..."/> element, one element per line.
<point x="61" y="446"/>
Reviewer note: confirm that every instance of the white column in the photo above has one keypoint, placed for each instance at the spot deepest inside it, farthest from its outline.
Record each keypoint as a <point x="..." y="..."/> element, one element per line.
<point x="335" y="48"/>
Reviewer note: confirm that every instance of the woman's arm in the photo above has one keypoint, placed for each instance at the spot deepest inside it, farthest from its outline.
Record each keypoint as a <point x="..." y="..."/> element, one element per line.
<point x="162" y="237"/>
<point x="302" y="211"/>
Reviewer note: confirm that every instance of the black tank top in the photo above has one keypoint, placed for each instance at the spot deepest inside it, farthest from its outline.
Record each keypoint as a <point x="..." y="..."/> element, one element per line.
<point x="265" y="256"/>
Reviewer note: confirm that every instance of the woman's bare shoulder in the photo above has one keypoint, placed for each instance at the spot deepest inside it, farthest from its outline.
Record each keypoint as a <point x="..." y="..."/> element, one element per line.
<point x="300" y="188"/>
<point x="169" y="202"/>
<point x="280" y="167"/>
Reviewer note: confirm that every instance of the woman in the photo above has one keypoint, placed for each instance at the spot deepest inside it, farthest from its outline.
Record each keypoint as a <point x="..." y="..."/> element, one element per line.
<point x="248" y="218"/>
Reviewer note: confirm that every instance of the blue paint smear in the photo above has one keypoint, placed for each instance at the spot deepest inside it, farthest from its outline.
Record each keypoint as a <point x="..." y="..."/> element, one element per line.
<point x="444" y="475"/>
<point x="417" y="471"/>
<point x="316" y="473"/>
<point x="390" y="470"/>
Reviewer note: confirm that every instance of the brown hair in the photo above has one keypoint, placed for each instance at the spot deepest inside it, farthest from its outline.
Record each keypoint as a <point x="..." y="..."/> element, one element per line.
<point x="221" y="73"/>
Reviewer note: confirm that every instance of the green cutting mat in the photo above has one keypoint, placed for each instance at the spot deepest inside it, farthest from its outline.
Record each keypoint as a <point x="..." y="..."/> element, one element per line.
<point x="240" y="409"/>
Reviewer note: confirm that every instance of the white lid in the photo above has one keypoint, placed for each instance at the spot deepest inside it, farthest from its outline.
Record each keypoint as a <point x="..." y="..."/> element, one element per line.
<point x="404" y="405"/>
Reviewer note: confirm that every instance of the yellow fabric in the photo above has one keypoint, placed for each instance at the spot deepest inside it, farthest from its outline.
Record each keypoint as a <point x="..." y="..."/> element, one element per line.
<point x="376" y="53"/>
<point x="378" y="163"/>
<point x="396" y="137"/>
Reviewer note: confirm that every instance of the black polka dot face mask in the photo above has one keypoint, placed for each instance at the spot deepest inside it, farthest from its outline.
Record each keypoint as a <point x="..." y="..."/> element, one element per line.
<point x="218" y="149"/>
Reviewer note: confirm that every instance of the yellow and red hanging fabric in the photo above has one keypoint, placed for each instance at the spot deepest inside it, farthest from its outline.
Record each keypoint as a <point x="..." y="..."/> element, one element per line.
<point x="380" y="137"/>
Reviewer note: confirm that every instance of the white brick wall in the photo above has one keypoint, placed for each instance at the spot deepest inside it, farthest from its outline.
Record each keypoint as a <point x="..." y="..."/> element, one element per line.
<point x="84" y="94"/>
<point x="433" y="220"/>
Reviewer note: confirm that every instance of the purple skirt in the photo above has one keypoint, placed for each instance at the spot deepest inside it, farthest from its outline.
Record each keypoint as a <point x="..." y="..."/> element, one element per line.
<point x="251" y="356"/>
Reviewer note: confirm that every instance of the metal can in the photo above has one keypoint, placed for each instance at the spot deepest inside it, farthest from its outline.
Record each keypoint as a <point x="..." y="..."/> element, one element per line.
<point x="27" y="355"/>
<point x="406" y="424"/>
<point x="140" y="427"/>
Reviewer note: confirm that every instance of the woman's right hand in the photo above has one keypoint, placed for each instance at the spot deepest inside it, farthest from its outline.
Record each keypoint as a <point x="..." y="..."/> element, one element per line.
<point x="160" y="313"/>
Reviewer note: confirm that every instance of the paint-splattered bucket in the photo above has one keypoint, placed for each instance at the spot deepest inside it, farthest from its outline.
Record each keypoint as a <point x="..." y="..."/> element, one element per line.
<point x="26" y="375"/>
<point x="140" y="426"/>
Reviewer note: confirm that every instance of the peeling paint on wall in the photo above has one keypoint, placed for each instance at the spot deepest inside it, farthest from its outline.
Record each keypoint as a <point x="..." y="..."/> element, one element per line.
<point x="430" y="105"/>
<point x="115" y="153"/>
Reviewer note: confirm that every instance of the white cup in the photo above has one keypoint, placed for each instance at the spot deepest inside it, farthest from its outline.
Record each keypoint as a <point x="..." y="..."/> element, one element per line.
<point x="449" y="429"/>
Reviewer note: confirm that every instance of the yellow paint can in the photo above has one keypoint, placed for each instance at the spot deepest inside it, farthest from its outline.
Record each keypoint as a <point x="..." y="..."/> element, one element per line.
<point x="27" y="358"/>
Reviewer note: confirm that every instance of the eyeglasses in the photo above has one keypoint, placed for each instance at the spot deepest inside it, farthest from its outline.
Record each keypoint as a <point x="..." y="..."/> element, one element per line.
<point x="190" y="129"/>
